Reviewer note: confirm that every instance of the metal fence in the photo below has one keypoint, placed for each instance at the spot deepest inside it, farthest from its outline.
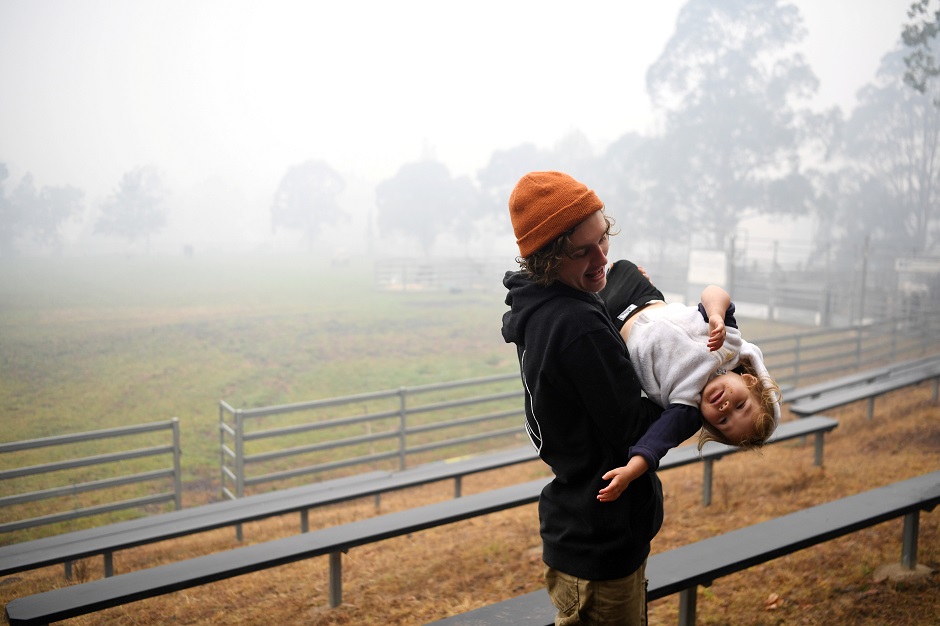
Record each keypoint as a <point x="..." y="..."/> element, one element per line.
<point x="391" y="429"/>
<point x="29" y="476"/>
<point x="403" y="427"/>
<point x="440" y="274"/>
<point x="816" y="355"/>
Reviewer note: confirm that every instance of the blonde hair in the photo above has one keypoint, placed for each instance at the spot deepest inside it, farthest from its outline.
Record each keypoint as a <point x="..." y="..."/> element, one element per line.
<point x="765" y="391"/>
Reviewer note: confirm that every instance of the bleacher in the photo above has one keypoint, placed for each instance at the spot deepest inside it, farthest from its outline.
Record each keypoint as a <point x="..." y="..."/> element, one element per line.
<point x="116" y="590"/>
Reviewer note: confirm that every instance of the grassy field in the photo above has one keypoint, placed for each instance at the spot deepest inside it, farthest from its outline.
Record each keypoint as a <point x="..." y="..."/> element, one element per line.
<point x="102" y="342"/>
<point x="412" y="580"/>
<point x="96" y="343"/>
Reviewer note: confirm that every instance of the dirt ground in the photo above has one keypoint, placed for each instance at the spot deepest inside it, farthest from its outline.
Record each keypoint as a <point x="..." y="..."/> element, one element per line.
<point x="443" y="571"/>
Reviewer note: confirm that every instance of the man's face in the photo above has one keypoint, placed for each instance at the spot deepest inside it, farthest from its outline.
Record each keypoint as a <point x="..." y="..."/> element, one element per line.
<point x="585" y="266"/>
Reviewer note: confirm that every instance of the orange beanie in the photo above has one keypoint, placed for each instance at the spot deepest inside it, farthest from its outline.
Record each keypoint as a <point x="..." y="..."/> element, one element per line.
<point x="544" y="205"/>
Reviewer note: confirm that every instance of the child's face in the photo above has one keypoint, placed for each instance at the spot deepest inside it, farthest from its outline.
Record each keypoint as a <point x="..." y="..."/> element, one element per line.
<point x="729" y="405"/>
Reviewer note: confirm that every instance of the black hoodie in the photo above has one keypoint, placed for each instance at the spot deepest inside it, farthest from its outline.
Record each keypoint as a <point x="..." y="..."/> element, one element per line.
<point x="583" y="412"/>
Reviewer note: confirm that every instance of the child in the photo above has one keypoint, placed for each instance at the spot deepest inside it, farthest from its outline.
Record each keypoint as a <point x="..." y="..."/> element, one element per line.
<point x="694" y="362"/>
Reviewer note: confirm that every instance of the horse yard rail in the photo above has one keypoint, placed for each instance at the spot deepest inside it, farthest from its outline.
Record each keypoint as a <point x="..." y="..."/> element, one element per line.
<point x="400" y="428"/>
<point x="114" y="462"/>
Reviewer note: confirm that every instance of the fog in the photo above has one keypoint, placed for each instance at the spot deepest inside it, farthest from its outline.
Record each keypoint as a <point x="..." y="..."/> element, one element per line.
<point x="223" y="98"/>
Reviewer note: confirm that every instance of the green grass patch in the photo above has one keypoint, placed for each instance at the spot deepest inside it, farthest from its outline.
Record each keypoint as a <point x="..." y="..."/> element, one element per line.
<point x="100" y="342"/>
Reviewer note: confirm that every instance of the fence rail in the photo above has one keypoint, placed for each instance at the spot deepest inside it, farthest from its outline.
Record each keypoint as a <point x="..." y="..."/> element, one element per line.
<point x="398" y="426"/>
<point x="403" y="426"/>
<point x="804" y="357"/>
<point x="113" y="459"/>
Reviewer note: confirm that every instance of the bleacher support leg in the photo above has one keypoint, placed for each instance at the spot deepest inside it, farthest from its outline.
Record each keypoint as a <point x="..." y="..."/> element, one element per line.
<point x="687" y="599"/>
<point x="305" y="521"/>
<point x="68" y="570"/>
<point x="458" y="483"/>
<point x="108" y="565"/>
<point x="336" y="579"/>
<point x="818" y="456"/>
<point x="707" y="483"/>
<point x="909" y="540"/>
<point x="871" y="407"/>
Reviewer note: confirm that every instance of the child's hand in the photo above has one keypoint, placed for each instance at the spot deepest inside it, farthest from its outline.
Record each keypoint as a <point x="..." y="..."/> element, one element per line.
<point x="621" y="477"/>
<point x="612" y="491"/>
<point x="716" y="332"/>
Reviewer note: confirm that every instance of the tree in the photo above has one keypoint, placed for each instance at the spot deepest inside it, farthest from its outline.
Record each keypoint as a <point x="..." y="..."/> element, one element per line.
<point x="728" y="83"/>
<point x="892" y="144"/>
<point x="571" y="154"/>
<point x="642" y="199"/>
<point x="920" y="35"/>
<point x="136" y="208"/>
<point x="306" y="198"/>
<point x="9" y="216"/>
<point x="423" y="200"/>
<point x="39" y="213"/>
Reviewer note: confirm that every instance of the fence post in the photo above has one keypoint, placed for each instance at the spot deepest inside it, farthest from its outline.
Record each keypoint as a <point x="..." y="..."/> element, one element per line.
<point x="864" y="280"/>
<point x="859" y="332"/>
<point x="177" y="471"/>
<point x="402" y="427"/>
<point x="221" y="450"/>
<point x="239" y="463"/>
<point x="796" y="362"/>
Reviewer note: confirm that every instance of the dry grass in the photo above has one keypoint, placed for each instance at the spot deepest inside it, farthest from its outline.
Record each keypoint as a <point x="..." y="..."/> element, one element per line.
<point x="439" y="572"/>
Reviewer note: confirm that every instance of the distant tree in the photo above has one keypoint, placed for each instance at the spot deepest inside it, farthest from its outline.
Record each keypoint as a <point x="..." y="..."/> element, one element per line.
<point x="920" y="35"/>
<point x="56" y="205"/>
<point x="40" y="213"/>
<point x="137" y="207"/>
<point x="504" y="169"/>
<point x="305" y="199"/>
<point x="891" y="144"/>
<point x="10" y="219"/>
<point x="641" y="197"/>
<point x="423" y="200"/>
<point x="728" y="81"/>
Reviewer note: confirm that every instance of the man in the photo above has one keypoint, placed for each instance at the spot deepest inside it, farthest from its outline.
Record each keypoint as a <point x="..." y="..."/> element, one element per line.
<point x="582" y="402"/>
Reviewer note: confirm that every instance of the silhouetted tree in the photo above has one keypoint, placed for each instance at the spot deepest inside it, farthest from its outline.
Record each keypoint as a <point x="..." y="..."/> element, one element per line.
<point x="920" y="35"/>
<point x="504" y="170"/>
<point x="40" y="213"/>
<point x="640" y="195"/>
<point x="728" y="82"/>
<point x="137" y="207"/>
<point x="306" y="198"/>
<point x="892" y="144"/>
<point x="9" y="216"/>
<point x="423" y="200"/>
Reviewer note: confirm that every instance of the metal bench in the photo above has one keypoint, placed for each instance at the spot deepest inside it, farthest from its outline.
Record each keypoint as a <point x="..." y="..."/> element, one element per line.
<point x="106" y="540"/>
<point x="869" y="391"/>
<point x="112" y="591"/>
<point x="713" y="451"/>
<point x="683" y="569"/>
<point x="96" y="595"/>
<point x="795" y="394"/>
